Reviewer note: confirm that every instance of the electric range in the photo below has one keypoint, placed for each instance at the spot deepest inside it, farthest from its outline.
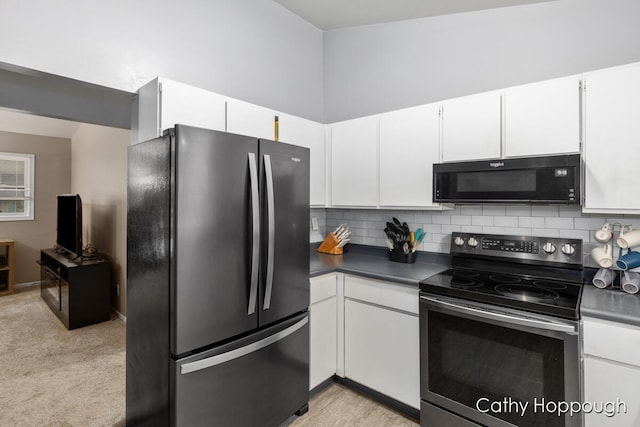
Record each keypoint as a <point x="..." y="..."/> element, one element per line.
<point x="501" y="324"/>
<point x="535" y="274"/>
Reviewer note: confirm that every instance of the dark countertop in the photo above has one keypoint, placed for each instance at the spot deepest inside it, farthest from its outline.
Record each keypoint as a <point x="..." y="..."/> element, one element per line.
<point x="374" y="262"/>
<point x="610" y="304"/>
<point x="607" y="304"/>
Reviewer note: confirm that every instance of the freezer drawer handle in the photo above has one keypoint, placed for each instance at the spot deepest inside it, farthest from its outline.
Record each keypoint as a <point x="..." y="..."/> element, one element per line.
<point x="242" y="351"/>
<point x="255" y="218"/>
<point x="271" y="231"/>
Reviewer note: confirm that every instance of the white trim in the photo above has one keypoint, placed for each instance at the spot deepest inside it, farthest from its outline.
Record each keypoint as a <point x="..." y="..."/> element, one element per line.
<point x="29" y="187"/>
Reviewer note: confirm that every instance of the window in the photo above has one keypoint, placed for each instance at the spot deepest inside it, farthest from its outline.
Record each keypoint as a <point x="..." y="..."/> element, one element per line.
<point x="16" y="186"/>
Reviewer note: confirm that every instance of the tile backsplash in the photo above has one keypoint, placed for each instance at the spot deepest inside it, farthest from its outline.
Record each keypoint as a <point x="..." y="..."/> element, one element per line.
<point x="547" y="221"/>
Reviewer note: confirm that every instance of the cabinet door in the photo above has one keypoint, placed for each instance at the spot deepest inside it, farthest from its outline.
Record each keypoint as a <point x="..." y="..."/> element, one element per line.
<point x="612" y="139"/>
<point x="164" y="103"/>
<point x="354" y="162"/>
<point x="471" y="127"/>
<point x="248" y="119"/>
<point x="323" y="330"/>
<point x="616" y="386"/>
<point x="409" y="146"/>
<point x="382" y="351"/>
<point x="294" y="130"/>
<point x="322" y="341"/>
<point x="543" y="118"/>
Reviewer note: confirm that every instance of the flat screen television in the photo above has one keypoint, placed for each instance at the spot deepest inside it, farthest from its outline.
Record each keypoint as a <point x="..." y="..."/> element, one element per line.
<point x="69" y="235"/>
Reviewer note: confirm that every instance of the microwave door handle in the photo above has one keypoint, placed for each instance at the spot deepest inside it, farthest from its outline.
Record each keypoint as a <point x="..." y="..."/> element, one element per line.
<point x="509" y="318"/>
<point x="270" y="231"/>
<point x="255" y="239"/>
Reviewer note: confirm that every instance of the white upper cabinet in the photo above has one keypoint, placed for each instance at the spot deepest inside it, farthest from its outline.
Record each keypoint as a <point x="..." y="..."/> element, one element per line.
<point x="471" y="127"/>
<point x="307" y="133"/>
<point x="612" y="140"/>
<point x="164" y="103"/>
<point x="542" y="118"/>
<point x="354" y="162"/>
<point x="409" y="146"/>
<point x="249" y="119"/>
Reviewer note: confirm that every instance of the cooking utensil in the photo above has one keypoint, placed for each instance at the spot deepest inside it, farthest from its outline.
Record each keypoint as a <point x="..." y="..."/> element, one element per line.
<point x="405" y="248"/>
<point x="394" y="238"/>
<point x="419" y="234"/>
<point x="389" y="244"/>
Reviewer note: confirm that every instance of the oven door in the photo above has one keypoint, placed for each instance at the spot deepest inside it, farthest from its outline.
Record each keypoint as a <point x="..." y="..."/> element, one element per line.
<point x="495" y="366"/>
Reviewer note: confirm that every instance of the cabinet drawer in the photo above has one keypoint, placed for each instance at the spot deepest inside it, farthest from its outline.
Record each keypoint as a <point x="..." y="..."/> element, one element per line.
<point x="387" y="294"/>
<point x="322" y="287"/>
<point x="612" y="341"/>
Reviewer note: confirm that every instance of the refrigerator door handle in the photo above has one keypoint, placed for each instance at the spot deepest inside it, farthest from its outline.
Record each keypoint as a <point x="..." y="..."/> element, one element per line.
<point x="219" y="359"/>
<point x="271" y="231"/>
<point x="255" y="219"/>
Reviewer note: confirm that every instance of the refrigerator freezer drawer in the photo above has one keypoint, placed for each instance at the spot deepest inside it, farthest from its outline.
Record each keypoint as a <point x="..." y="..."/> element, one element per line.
<point x="261" y="379"/>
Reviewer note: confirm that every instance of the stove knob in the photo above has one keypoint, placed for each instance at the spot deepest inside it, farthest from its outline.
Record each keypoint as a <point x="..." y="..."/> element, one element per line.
<point x="549" y="248"/>
<point x="459" y="241"/>
<point x="472" y="242"/>
<point x="568" y="249"/>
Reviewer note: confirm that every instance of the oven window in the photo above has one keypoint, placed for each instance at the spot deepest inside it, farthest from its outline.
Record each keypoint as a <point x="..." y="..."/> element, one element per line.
<point x="470" y="360"/>
<point x="496" y="181"/>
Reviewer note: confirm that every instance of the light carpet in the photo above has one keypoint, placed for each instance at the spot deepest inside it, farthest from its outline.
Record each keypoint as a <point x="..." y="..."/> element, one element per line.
<point x="50" y="376"/>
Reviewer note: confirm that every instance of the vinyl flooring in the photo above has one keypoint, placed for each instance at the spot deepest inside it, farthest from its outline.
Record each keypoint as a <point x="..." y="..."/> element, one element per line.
<point x="340" y="406"/>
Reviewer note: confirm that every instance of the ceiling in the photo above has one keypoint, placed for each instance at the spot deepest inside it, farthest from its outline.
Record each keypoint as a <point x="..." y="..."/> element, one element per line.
<point x="332" y="14"/>
<point x="11" y="121"/>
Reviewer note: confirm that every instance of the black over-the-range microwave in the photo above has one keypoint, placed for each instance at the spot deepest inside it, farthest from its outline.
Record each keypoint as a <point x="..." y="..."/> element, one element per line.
<point x="543" y="180"/>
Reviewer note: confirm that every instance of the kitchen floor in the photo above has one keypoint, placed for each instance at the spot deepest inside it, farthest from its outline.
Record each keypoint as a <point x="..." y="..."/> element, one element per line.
<point x="338" y="405"/>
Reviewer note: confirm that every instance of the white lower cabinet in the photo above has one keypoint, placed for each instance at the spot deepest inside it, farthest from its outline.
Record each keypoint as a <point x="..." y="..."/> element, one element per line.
<point x="611" y="374"/>
<point x="381" y="338"/>
<point x="322" y="329"/>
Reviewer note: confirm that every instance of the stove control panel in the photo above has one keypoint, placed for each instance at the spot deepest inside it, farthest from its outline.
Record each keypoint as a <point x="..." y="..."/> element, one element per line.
<point x="528" y="246"/>
<point x="543" y="249"/>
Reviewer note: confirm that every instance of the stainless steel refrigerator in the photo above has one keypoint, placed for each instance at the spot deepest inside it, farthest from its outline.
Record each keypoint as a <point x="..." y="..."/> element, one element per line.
<point x="217" y="280"/>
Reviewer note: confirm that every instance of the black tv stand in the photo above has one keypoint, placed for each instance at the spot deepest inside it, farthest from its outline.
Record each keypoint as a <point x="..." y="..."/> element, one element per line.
<point x="77" y="290"/>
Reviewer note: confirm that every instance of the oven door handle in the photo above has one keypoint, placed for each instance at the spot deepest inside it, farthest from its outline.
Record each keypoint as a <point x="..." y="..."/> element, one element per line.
<point x="506" y="317"/>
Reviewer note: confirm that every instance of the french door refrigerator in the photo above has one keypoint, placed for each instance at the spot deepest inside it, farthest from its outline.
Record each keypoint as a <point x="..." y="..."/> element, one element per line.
<point x="217" y="280"/>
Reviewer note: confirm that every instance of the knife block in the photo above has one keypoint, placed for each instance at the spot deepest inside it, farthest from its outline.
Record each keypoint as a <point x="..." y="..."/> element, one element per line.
<point x="330" y="245"/>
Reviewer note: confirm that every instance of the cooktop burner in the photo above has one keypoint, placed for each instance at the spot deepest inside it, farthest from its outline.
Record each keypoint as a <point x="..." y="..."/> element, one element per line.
<point x="536" y="274"/>
<point x="457" y="282"/>
<point x="526" y="292"/>
<point x="540" y="295"/>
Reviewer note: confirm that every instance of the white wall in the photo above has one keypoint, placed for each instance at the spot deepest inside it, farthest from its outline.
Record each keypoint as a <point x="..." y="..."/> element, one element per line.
<point x="99" y="175"/>
<point x="378" y="68"/>
<point x="254" y="50"/>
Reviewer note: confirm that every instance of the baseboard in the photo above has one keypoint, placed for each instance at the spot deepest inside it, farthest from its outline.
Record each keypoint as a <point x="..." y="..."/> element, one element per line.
<point x="396" y="405"/>
<point x="120" y="315"/>
<point x="26" y="285"/>
<point x="322" y="386"/>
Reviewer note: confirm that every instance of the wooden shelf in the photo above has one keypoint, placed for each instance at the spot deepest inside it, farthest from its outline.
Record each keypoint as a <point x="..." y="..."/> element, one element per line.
<point x="9" y="253"/>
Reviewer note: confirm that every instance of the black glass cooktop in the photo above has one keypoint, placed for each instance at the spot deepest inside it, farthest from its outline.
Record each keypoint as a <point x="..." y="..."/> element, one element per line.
<point x="538" y="295"/>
